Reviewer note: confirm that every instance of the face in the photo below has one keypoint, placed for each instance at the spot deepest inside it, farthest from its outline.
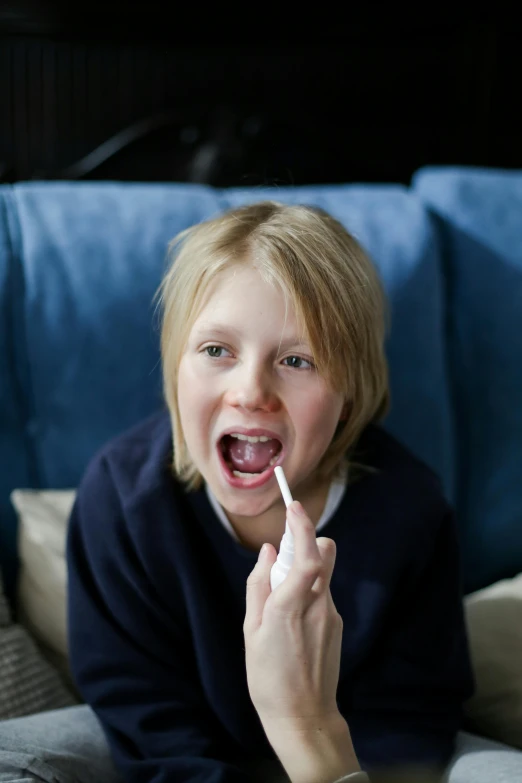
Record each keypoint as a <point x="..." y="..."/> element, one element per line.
<point x="246" y="370"/>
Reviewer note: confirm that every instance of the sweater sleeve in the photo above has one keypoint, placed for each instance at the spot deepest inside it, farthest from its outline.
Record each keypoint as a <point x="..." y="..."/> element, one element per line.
<point x="131" y="654"/>
<point x="406" y="706"/>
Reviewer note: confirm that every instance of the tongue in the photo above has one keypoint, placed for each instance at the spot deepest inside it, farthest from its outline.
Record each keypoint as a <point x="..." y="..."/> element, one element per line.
<point x="250" y="457"/>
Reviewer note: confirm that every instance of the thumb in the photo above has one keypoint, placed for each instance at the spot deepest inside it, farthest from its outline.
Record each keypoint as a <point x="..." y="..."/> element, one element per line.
<point x="258" y="587"/>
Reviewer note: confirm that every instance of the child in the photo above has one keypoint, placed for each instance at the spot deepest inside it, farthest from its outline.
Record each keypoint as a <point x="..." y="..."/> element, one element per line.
<point x="272" y="347"/>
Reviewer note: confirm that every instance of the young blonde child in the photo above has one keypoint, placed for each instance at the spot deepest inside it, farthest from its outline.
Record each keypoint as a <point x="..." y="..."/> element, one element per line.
<point x="273" y="354"/>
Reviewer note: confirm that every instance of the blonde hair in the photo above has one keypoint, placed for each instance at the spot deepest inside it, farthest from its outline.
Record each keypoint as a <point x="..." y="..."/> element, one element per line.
<point x="332" y="285"/>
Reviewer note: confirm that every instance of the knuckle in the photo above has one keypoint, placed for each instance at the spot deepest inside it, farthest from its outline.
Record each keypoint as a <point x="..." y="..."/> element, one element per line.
<point x="330" y="546"/>
<point x="310" y="569"/>
<point x="327" y="547"/>
<point x="327" y="543"/>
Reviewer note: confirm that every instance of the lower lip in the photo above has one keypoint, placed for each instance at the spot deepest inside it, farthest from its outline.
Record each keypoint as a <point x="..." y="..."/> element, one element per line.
<point x="256" y="481"/>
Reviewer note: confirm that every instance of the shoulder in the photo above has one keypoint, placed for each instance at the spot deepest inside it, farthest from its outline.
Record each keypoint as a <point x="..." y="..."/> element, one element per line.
<point x="379" y="449"/>
<point x="128" y="485"/>
<point x="404" y="493"/>
<point x="130" y="471"/>
<point x="124" y="528"/>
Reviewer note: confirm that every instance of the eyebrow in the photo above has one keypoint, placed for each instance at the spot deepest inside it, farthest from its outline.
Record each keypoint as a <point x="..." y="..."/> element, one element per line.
<point x="225" y="331"/>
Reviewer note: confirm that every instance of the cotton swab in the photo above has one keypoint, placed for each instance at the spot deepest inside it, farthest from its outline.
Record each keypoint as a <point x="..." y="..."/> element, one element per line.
<point x="283" y="485"/>
<point x="285" y="558"/>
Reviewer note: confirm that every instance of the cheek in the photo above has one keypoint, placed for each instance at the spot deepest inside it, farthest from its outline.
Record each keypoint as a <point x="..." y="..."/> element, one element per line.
<point x="322" y="416"/>
<point x="183" y="386"/>
<point x="193" y="396"/>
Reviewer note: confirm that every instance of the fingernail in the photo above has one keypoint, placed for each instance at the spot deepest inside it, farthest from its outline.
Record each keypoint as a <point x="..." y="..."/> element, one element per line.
<point x="298" y="509"/>
<point x="262" y="553"/>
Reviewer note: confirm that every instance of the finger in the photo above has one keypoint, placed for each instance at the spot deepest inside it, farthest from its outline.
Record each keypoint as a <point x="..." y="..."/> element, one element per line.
<point x="258" y="588"/>
<point x="303" y="530"/>
<point x="328" y="551"/>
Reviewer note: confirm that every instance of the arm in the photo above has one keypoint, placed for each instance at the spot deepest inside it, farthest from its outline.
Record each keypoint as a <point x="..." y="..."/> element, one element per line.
<point x="131" y="658"/>
<point x="320" y="752"/>
<point x="406" y="703"/>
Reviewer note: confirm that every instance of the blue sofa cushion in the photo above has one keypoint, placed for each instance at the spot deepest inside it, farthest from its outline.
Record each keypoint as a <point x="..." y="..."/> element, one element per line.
<point x="479" y="214"/>
<point x="93" y="257"/>
<point x="79" y="265"/>
<point x="394" y="228"/>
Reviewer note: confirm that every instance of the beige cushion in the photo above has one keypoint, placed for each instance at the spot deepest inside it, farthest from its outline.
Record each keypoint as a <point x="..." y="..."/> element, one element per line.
<point x="42" y="585"/>
<point x="494" y="619"/>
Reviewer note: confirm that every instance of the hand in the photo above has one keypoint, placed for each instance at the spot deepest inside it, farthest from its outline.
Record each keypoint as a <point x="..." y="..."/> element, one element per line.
<point x="293" y="651"/>
<point x="293" y="635"/>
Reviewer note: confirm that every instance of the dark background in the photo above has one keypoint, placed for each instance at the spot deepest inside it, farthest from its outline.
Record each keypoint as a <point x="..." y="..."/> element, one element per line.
<point x="92" y="91"/>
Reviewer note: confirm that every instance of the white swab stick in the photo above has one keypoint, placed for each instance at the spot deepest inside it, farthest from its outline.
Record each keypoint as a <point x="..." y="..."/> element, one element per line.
<point x="285" y="558"/>
<point x="283" y="485"/>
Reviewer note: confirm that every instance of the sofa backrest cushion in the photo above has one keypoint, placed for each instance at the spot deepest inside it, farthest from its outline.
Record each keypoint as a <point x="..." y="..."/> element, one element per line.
<point x="395" y="230"/>
<point x="479" y="217"/>
<point x="84" y="261"/>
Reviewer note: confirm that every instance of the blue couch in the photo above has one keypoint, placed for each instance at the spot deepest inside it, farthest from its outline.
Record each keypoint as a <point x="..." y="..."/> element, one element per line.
<point x="79" y="359"/>
<point x="79" y="356"/>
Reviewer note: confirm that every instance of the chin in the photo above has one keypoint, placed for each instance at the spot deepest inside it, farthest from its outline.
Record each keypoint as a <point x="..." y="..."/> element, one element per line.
<point x="244" y="507"/>
<point x="247" y="508"/>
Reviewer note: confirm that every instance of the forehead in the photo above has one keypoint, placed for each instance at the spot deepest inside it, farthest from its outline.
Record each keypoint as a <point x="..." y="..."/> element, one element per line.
<point x="239" y="284"/>
<point x="238" y="275"/>
<point x="241" y="294"/>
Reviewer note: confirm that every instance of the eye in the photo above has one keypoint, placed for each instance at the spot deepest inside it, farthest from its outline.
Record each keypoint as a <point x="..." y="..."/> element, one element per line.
<point x="214" y="351"/>
<point x="297" y="363"/>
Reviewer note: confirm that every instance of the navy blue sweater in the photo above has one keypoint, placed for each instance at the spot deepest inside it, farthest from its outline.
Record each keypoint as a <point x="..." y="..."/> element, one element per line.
<point x="157" y="602"/>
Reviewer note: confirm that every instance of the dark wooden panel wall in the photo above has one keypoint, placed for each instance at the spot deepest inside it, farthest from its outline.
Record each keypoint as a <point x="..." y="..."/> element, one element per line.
<point x="363" y="105"/>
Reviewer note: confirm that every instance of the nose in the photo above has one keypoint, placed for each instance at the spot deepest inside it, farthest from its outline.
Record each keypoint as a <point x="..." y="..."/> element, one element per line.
<point x="253" y="389"/>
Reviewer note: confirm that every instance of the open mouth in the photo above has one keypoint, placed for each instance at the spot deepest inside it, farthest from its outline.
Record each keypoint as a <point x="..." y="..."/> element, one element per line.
<point x="249" y="457"/>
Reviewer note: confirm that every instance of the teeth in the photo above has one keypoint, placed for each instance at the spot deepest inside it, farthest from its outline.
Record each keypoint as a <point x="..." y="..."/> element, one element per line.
<point x="250" y="438"/>
<point x="239" y="474"/>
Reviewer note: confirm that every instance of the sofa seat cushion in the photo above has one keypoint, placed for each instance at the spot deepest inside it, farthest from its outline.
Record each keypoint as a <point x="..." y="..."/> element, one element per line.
<point x="494" y="620"/>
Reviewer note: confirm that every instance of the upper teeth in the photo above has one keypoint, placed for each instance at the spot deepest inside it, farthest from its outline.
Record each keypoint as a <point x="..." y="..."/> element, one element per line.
<point x="250" y="438"/>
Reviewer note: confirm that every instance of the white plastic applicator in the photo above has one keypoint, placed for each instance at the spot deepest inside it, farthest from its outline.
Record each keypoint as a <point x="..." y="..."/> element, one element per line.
<point x="285" y="557"/>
